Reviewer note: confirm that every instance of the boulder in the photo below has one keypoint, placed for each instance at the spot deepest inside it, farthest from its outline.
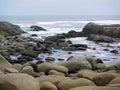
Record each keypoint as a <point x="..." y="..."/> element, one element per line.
<point x="100" y="79"/>
<point x="30" y="53"/>
<point x="11" y="70"/>
<point x="48" y="86"/>
<point x="55" y="79"/>
<point x="73" y="33"/>
<point x="95" y="88"/>
<point x="100" y="38"/>
<point x="4" y="63"/>
<point x="18" y="82"/>
<point x="69" y="83"/>
<point x="17" y="67"/>
<point x="1" y="73"/>
<point x="54" y="72"/>
<point x="76" y="63"/>
<point x="79" y="46"/>
<point x="29" y="70"/>
<point x="46" y="67"/>
<point x="9" y="29"/>
<point x="115" y="82"/>
<point x="37" y="28"/>
<point x="113" y="65"/>
<point x="50" y="59"/>
<point x="107" y="30"/>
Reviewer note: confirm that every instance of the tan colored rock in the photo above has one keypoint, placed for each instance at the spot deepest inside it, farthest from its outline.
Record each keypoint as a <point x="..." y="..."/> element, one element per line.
<point x="54" y="72"/>
<point x="4" y="63"/>
<point x="92" y="61"/>
<point x="41" y="74"/>
<point x="99" y="79"/>
<point x="29" y="70"/>
<point x="18" y="81"/>
<point x="76" y="63"/>
<point x="95" y="88"/>
<point x="17" y="67"/>
<point x="55" y="79"/>
<point x="69" y="83"/>
<point x="115" y="80"/>
<point x="46" y="67"/>
<point x="48" y="86"/>
<point x="1" y="73"/>
<point x="11" y="70"/>
<point x="104" y="78"/>
<point x="113" y="65"/>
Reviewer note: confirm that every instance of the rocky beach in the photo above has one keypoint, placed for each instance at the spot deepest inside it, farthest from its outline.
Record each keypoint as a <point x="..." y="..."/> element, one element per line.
<point x="76" y="60"/>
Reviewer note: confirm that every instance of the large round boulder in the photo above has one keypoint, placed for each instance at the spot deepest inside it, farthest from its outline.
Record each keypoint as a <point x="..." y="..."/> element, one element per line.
<point x="113" y="65"/>
<point x="48" y="86"/>
<point x="100" y="79"/>
<point x="18" y="82"/>
<point x="76" y="63"/>
<point x="69" y="83"/>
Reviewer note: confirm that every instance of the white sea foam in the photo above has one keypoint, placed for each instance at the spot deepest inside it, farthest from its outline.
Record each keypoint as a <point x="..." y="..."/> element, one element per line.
<point x="76" y="22"/>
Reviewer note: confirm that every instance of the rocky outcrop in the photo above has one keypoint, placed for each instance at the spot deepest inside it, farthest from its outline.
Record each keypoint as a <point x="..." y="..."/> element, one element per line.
<point x="37" y="28"/>
<point x="9" y="29"/>
<point x="107" y="30"/>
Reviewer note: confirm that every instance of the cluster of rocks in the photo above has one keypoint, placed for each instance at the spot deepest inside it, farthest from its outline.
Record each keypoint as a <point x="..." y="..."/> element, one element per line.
<point x="27" y="49"/>
<point x="78" y="73"/>
<point x="24" y="48"/>
<point x="59" y="42"/>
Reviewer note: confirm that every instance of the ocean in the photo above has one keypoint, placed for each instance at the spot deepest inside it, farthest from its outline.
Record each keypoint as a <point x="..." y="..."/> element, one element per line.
<point x="58" y="24"/>
<point x="63" y="24"/>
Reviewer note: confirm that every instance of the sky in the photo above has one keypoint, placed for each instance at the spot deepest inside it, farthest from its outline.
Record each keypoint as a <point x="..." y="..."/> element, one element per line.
<point x="59" y="7"/>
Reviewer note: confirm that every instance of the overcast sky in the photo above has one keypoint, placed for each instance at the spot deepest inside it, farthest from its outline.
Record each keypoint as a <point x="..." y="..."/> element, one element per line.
<point x="59" y="7"/>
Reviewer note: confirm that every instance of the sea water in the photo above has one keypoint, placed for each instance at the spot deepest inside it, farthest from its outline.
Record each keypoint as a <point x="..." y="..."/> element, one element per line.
<point x="63" y="24"/>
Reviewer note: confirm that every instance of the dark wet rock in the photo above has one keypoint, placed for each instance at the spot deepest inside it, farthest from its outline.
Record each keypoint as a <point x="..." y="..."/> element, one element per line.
<point x="9" y="29"/>
<point x="40" y="61"/>
<point x="37" y="28"/>
<point x="69" y="52"/>
<point x="100" y="38"/>
<point x="94" y="48"/>
<point x="68" y="48"/>
<point x="107" y="30"/>
<point x="99" y="60"/>
<point x="49" y="59"/>
<point x="73" y="33"/>
<point x="79" y="46"/>
<point x="114" y="51"/>
<point x="30" y="53"/>
<point x="106" y="49"/>
<point x="54" y="38"/>
<point x="60" y="59"/>
<point x="34" y="35"/>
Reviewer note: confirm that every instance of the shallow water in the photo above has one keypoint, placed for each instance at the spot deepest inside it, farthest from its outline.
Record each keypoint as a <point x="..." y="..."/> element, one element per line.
<point x="98" y="53"/>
